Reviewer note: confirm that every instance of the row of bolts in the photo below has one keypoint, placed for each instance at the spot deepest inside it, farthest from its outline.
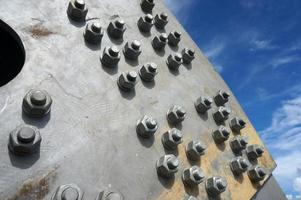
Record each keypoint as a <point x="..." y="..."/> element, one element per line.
<point x="25" y="140"/>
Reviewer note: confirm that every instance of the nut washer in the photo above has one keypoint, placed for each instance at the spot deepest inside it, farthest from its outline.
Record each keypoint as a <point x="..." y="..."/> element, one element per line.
<point x="36" y="103"/>
<point x="174" y="61"/>
<point x="24" y="140"/>
<point x="254" y="151"/>
<point x="108" y="195"/>
<point x="190" y="198"/>
<point x="221" y="134"/>
<point x="176" y="114"/>
<point x="147" y="5"/>
<point x="127" y="81"/>
<point x="133" y="50"/>
<point x="215" y="185"/>
<point x="238" y="143"/>
<point x="116" y="29"/>
<point x="193" y="176"/>
<point x="159" y="42"/>
<point x="256" y="173"/>
<point x="68" y="191"/>
<point x="172" y="138"/>
<point x="236" y="124"/>
<point x="221" y="98"/>
<point x="239" y="165"/>
<point x="195" y="149"/>
<point x="146" y="127"/>
<point x="77" y="10"/>
<point x="174" y="38"/>
<point x="93" y="33"/>
<point x="161" y="20"/>
<point x="148" y="72"/>
<point x="110" y="57"/>
<point x="221" y="115"/>
<point x="202" y="104"/>
<point x="188" y="55"/>
<point x="167" y="165"/>
<point x="145" y="23"/>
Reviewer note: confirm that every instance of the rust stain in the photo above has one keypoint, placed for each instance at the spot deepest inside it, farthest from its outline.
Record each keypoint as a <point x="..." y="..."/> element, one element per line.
<point x="38" y="31"/>
<point x="35" y="189"/>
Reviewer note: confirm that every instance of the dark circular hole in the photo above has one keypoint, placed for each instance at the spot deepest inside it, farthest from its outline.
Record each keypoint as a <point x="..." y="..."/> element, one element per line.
<point x="12" y="54"/>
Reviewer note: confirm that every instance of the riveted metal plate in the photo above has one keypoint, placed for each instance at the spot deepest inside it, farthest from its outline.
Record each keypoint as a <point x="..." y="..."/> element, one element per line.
<point x="90" y="137"/>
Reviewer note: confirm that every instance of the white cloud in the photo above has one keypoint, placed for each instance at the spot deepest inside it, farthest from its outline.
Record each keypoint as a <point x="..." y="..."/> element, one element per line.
<point x="297" y="184"/>
<point x="276" y="62"/>
<point x="262" y="45"/>
<point x="214" y="49"/>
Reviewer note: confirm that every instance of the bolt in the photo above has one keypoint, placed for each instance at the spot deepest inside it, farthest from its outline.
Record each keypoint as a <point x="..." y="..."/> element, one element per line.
<point x="254" y="151"/>
<point x="215" y="185"/>
<point x="148" y="72"/>
<point x="172" y="138"/>
<point x="68" y="192"/>
<point x="146" y="127"/>
<point x="202" y="104"/>
<point x="193" y="176"/>
<point x="77" y="10"/>
<point x="26" y="134"/>
<point x="195" y="149"/>
<point x="159" y="42"/>
<point x="110" y="56"/>
<point x="147" y="5"/>
<point x="187" y="55"/>
<point x="238" y="143"/>
<point x="161" y="20"/>
<point x="176" y="114"/>
<point x="36" y="103"/>
<point x="127" y="81"/>
<point x="236" y="124"/>
<point x="93" y="33"/>
<point x="221" y="114"/>
<point x="145" y="23"/>
<point x="167" y="166"/>
<point x="116" y="29"/>
<point x="174" y="38"/>
<point x="107" y="195"/>
<point x="238" y="165"/>
<point x="221" y="134"/>
<point x="256" y="174"/>
<point x="133" y="50"/>
<point x="221" y="98"/>
<point x="174" y="61"/>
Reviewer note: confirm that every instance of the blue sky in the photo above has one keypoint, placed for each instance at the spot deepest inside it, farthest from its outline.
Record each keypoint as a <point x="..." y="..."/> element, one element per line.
<point x="256" y="47"/>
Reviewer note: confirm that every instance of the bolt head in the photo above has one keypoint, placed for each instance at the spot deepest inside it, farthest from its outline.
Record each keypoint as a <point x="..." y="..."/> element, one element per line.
<point x="96" y="27"/>
<point x="172" y="138"/>
<point x="174" y="61"/>
<point x="77" y="10"/>
<point x="26" y="134"/>
<point x="202" y="104"/>
<point x="147" y="5"/>
<point x="195" y="149"/>
<point x="127" y="81"/>
<point x="146" y="127"/>
<point x="116" y="29"/>
<point x="254" y="151"/>
<point x="256" y="173"/>
<point x="238" y="143"/>
<point x="215" y="185"/>
<point x="108" y="195"/>
<point x="148" y="72"/>
<point x="119" y="23"/>
<point x="221" y="98"/>
<point x="176" y="114"/>
<point x="93" y="33"/>
<point x="79" y="4"/>
<point x="133" y="50"/>
<point x="193" y="176"/>
<point x="68" y="192"/>
<point x="174" y="38"/>
<point x="221" y="134"/>
<point x="239" y="165"/>
<point x="145" y="23"/>
<point x="161" y="20"/>
<point x="167" y="165"/>
<point x="188" y="55"/>
<point x="236" y="124"/>
<point x="110" y="56"/>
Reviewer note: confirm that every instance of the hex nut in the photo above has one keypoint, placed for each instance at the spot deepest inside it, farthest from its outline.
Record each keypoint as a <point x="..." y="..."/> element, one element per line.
<point x="236" y="124"/>
<point x="174" y="38"/>
<point x="221" y="134"/>
<point x="146" y="127"/>
<point x="116" y="29"/>
<point x="215" y="185"/>
<point x="202" y="104"/>
<point x="190" y="198"/>
<point x="161" y="20"/>
<point x="238" y="143"/>
<point x="187" y="55"/>
<point x="133" y="50"/>
<point x="239" y="165"/>
<point x="193" y="176"/>
<point x="176" y="114"/>
<point x="110" y="56"/>
<point x="24" y="140"/>
<point x="254" y="151"/>
<point x="172" y="138"/>
<point x="68" y="191"/>
<point x="36" y="103"/>
<point x="256" y="173"/>
<point x="93" y="33"/>
<point x="167" y="165"/>
<point x="159" y="42"/>
<point x="148" y="72"/>
<point x="221" y="98"/>
<point x="145" y="23"/>
<point x="127" y="81"/>
<point x="174" y="61"/>
<point x="108" y="195"/>
<point x="77" y="10"/>
<point x="195" y="149"/>
<point x="147" y="5"/>
<point x="221" y="115"/>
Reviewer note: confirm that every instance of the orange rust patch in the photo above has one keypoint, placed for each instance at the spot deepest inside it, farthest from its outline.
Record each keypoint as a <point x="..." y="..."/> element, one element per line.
<point x="38" y="31"/>
<point x="35" y="189"/>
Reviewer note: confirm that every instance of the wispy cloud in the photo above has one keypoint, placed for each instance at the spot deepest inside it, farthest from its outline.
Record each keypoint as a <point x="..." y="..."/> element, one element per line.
<point x="277" y="62"/>
<point x="257" y="44"/>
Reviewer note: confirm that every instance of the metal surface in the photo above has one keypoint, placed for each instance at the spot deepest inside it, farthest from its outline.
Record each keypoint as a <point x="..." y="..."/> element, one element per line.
<point x="89" y="138"/>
